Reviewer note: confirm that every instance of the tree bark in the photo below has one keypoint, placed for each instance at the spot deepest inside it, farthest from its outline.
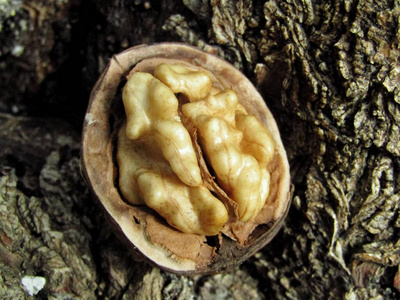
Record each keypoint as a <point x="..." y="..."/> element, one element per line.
<point x="328" y="70"/>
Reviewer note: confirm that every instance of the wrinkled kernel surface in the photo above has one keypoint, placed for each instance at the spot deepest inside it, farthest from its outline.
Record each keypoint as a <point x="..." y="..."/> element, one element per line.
<point x="152" y="109"/>
<point x="158" y="164"/>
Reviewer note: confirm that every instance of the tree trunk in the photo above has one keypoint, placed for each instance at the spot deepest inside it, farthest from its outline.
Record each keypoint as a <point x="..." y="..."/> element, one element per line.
<point x="328" y="70"/>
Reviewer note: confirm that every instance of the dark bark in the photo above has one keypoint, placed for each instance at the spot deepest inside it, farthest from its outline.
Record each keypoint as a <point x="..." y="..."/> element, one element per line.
<point x="329" y="71"/>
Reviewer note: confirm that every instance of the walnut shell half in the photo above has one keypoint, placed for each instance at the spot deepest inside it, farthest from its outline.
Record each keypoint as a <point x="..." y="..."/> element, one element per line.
<point x="144" y="230"/>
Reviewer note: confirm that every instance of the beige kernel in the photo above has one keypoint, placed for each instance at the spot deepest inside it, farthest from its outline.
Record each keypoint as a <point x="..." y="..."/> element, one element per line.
<point x="152" y="109"/>
<point x="180" y="79"/>
<point x="236" y="144"/>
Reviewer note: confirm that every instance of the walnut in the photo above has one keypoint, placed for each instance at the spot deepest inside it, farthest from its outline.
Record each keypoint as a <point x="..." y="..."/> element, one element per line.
<point x="185" y="158"/>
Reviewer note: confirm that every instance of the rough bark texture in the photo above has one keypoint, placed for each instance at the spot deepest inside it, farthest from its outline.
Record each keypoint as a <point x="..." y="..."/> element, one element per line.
<point x="329" y="71"/>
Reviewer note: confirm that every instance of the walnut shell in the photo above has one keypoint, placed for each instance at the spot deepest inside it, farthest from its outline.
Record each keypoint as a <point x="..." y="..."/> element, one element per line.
<point x="141" y="228"/>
